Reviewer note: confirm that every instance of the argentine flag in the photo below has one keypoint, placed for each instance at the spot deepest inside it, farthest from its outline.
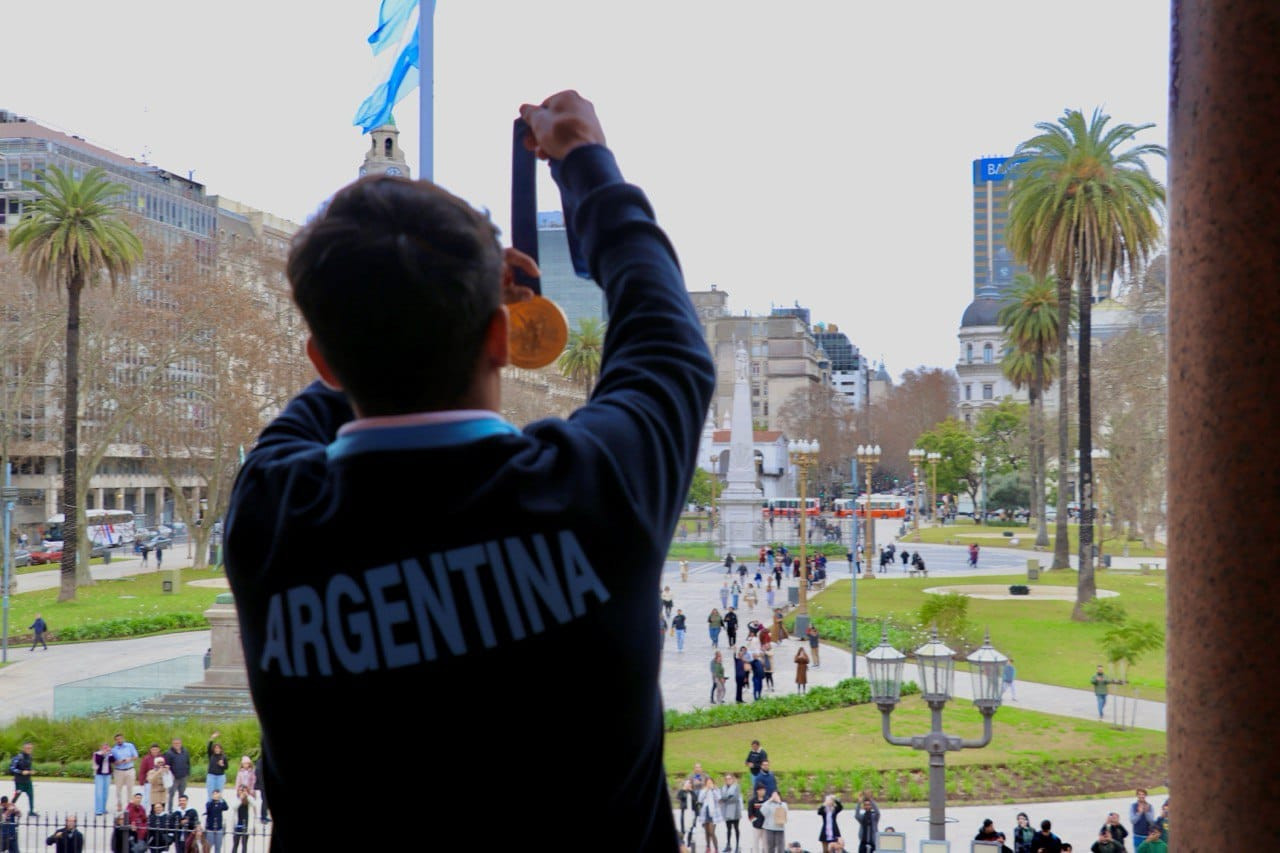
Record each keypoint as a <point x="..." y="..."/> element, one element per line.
<point x="396" y="18"/>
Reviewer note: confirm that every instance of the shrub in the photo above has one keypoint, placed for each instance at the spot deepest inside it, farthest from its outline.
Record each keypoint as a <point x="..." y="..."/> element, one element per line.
<point x="132" y="626"/>
<point x="1106" y="610"/>
<point x="851" y="691"/>
<point x="64" y="747"/>
<point x="950" y="613"/>
<point x="838" y="631"/>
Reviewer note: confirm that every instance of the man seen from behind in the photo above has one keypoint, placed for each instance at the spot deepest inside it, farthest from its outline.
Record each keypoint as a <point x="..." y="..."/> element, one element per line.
<point x="548" y="541"/>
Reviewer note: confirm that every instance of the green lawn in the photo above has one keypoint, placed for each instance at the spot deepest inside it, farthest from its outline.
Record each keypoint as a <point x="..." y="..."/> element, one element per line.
<point x="138" y="595"/>
<point x="1046" y="645"/>
<point x="850" y="738"/>
<point x="966" y="532"/>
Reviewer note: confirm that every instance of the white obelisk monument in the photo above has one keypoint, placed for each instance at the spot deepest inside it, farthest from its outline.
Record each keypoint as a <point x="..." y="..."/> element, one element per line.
<point x="741" y="501"/>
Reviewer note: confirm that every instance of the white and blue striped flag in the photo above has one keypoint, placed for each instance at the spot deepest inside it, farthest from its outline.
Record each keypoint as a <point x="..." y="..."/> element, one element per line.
<point x="397" y="26"/>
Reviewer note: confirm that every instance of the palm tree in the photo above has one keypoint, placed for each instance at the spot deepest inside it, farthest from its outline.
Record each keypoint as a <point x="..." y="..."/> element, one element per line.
<point x="1084" y="210"/>
<point x="68" y="237"/>
<point x="1030" y="319"/>
<point x="580" y="361"/>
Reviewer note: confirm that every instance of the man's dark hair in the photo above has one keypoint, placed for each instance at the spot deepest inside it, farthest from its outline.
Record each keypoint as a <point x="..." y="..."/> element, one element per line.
<point x="1046" y="825"/>
<point x="398" y="280"/>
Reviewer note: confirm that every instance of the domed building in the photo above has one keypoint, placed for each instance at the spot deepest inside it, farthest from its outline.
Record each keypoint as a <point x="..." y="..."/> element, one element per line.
<point x="982" y="382"/>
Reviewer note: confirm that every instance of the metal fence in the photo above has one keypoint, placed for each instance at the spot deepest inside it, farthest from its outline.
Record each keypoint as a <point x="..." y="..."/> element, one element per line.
<point x="99" y="832"/>
<point x="120" y="689"/>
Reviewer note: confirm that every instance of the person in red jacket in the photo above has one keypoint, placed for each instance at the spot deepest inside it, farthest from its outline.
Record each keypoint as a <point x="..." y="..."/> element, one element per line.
<point x="136" y="815"/>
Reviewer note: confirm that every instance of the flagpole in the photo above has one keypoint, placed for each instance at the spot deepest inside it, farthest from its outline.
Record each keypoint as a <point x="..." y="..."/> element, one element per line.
<point x="426" y="89"/>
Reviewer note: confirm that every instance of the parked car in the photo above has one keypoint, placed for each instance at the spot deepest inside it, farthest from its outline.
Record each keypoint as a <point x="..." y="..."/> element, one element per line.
<point x="40" y="556"/>
<point x="54" y="555"/>
<point x="156" y="541"/>
<point x="21" y="557"/>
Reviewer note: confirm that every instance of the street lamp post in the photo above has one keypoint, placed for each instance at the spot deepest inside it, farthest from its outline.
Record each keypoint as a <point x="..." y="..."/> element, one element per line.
<point x="937" y="676"/>
<point x="804" y="455"/>
<point x="934" y="457"/>
<point x="916" y="455"/>
<point x="868" y="456"/>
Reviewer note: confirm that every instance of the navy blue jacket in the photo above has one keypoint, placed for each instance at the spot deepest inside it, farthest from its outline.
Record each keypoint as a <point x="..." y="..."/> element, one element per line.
<point x="502" y="562"/>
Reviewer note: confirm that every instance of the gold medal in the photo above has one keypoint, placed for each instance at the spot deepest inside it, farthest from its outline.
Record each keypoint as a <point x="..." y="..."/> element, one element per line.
<point x="538" y="332"/>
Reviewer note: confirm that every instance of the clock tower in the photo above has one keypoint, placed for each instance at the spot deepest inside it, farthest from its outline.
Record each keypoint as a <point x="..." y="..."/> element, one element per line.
<point x="384" y="156"/>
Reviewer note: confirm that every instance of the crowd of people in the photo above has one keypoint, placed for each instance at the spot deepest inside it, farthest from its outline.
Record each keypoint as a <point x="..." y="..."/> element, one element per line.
<point x="711" y="814"/>
<point x="753" y="659"/>
<point x="152" y="809"/>
<point x="706" y="805"/>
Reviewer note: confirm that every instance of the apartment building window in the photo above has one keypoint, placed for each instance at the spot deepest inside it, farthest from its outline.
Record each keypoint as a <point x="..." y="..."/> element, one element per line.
<point x="987" y="353"/>
<point x="968" y="392"/>
<point x="988" y="392"/>
<point x="968" y="353"/>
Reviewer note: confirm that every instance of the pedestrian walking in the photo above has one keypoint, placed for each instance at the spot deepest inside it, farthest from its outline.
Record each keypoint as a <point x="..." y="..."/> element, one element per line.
<point x="766" y="651"/>
<point x="668" y="601"/>
<point x="740" y="669"/>
<point x="717" y="679"/>
<point x="684" y="571"/>
<point x="768" y="595"/>
<point x="802" y="670"/>
<point x="906" y="558"/>
<point x="724" y="595"/>
<point x="715" y="622"/>
<point x="735" y="592"/>
<point x="21" y="768"/>
<point x="750" y="597"/>
<point x="731" y="627"/>
<point x="1010" y="673"/>
<point x="38" y="629"/>
<point x="678" y="623"/>
<point x="757" y="677"/>
<point x="1100" y="682"/>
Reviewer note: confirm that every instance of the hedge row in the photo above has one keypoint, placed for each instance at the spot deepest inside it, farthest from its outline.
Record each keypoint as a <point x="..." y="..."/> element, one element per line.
<point x="130" y="626"/>
<point x="850" y="691"/>
<point x="65" y="747"/>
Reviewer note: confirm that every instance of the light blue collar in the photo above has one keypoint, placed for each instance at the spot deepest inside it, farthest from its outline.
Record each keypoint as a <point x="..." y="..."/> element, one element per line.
<point x="418" y="437"/>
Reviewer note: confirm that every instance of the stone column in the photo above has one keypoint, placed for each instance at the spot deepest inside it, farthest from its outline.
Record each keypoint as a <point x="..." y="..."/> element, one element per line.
<point x="226" y="665"/>
<point x="1224" y="414"/>
<point x="140" y="501"/>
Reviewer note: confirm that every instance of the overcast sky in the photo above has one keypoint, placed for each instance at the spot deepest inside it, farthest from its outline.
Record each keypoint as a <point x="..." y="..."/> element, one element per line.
<point x="817" y="152"/>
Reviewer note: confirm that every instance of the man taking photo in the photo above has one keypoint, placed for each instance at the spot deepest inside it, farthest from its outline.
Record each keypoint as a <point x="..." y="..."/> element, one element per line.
<point x="522" y="550"/>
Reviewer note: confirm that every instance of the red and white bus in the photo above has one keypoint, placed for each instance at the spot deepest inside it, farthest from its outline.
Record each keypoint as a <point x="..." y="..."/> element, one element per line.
<point x="790" y="507"/>
<point x="882" y="506"/>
